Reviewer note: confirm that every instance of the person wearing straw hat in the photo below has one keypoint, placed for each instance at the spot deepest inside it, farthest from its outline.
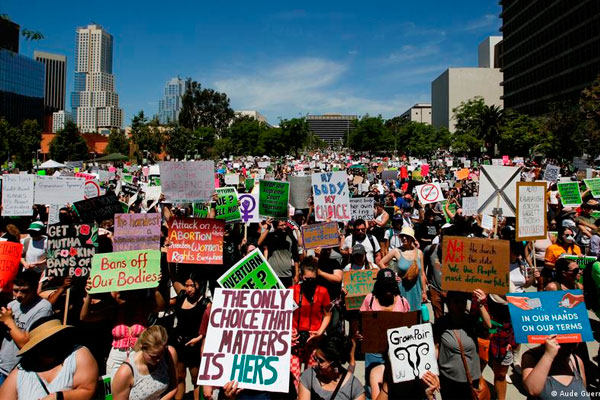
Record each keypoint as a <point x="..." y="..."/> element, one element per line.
<point x="51" y="367"/>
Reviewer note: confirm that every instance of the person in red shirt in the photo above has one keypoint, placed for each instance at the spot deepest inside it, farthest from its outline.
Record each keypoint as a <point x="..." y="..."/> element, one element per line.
<point x="312" y="316"/>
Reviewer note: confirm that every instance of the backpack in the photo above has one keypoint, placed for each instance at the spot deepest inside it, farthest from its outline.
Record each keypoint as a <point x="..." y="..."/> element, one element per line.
<point x="591" y="292"/>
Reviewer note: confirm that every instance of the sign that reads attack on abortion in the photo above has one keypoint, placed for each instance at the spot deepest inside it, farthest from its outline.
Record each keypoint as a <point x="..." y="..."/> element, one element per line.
<point x="70" y="249"/>
<point x="196" y="241"/>
<point x="331" y="196"/>
<point x="248" y="339"/>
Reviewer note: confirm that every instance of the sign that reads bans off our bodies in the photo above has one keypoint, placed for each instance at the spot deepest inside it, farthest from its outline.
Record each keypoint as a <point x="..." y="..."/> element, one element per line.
<point x="125" y="270"/>
<point x="248" y="339"/>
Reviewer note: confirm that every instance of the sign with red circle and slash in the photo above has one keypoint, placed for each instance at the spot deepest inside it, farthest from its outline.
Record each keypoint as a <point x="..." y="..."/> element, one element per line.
<point x="91" y="189"/>
<point x="430" y="193"/>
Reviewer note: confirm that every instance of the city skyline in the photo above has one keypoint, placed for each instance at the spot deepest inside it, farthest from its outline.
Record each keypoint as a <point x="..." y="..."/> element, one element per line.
<point x="280" y="61"/>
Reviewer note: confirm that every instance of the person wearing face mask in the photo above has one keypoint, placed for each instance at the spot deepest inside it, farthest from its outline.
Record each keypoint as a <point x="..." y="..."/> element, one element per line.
<point x="281" y="250"/>
<point x="311" y="318"/>
<point x="565" y="244"/>
<point x="385" y="297"/>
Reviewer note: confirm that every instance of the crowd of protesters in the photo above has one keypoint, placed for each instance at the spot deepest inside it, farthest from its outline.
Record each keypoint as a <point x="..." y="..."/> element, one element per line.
<point x="147" y="340"/>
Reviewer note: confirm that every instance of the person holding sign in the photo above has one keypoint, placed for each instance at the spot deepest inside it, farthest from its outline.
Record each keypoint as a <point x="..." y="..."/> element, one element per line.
<point x="553" y="368"/>
<point x="410" y="269"/>
<point x="328" y="379"/>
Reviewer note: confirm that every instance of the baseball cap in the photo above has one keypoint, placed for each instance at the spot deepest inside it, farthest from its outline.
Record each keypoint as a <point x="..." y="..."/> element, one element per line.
<point x="359" y="249"/>
<point x="36" y="226"/>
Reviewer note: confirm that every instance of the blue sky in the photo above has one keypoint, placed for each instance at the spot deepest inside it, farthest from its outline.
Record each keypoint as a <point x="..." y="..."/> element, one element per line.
<point x="283" y="59"/>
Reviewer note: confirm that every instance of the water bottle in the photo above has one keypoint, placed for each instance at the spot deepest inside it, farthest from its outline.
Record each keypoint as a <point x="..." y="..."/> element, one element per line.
<point x="424" y="313"/>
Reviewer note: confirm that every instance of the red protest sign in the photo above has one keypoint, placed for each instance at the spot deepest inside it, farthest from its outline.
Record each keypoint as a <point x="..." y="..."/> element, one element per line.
<point x="196" y="241"/>
<point x="10" y="256"/>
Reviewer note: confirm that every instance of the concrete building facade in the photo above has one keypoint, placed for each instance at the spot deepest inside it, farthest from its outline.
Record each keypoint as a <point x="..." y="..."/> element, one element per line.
<point x="420" y="112"/>
<point x="59" y="119"/>
<point x="489" y="52"/>
<point x="332" y="128"/>
<point x="170" y="106"/>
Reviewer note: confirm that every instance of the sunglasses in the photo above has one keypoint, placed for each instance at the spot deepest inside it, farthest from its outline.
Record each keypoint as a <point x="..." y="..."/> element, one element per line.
<point x="575" y="271"/>
<point x="361" y="229"/>
<point x="319" y="360"/>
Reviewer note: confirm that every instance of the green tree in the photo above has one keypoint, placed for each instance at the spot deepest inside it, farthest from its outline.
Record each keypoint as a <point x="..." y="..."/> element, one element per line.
<point x="69" y="145"/>
<point x="146" y="136"/>
<point x="589" y="103"/>
<point x="565" y="130"/>
<point x="117" y="142"/>
<point x="423" y="140"/>
<point x="466" y="139"/>
<point x="294" y="134"/>
<point x="6" y="131"/>
<point x="369" y="135"/>
<point x="520" y="134"/>
<point x="245" y="134"/>
<point x="25" y="142"/>
<point x="398" y="137"/>
<point x="204" y="107"/>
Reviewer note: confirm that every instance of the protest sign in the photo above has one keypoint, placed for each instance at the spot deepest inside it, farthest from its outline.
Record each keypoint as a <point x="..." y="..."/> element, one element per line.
<point x="411" y="352"/>
<point x="125" y="270"/>
<point x="232" y="179"/>
<point x="226" y="206"/>
<point x="389" y="175"/>
<point x="136" y="232"/>
<point x="322" y="235"/>
<point x="425" y="169"/>
<point x="256" y="353"/>
<point x="430" y="193"/>
<point x="273" y="199"/>
<point x="470" y="263"/>
<point x="569" y="194"/>
<point x="88" y="177"/>
<point x="497" y="162"/>
<point x="376" y="323"/>
<point x="58" y="190"/>
<point x="357" y="180"/>
<point x="70" y="248"/>
<point x="498" y="190"/>
<point x="531" y="211"/>
<point x="487" y="222"/>
<point x="196" y="241"/>
<point x="10" y="258"/>
<point x="17" y="195"/>
<point x="201" y="210"/>
<point x="152" y="193"/>
<point x="362" y="207"/>
<point x="300" y="191"/>
<point x="469" y="206"/>
<point x="331" y="196"/>
<point x="91" y="189"/>
<point x="537" y="315"/>
<point x="594" y="186"/>
<point x="462" y="174"/>
<point x="248" y="205"/>
<point x="98" y="208"/>
<point x="251" y="272"/>
<point x="54" y="214"/>
<point x="249" y="184"/>
<point x="191" y="181"/>
<point x="551" y="173"/>
<point x="358" y="284"/>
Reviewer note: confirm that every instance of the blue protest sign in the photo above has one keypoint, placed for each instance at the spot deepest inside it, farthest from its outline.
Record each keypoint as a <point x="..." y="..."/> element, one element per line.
<point x="537" y="315"/>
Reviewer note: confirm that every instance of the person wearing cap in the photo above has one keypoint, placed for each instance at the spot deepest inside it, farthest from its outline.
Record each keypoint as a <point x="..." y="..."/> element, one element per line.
<point x="34" y="247"/>
<point x="18" y="317"/>
<point x="360" y="236"/>
<point x="409" y="266"/>
<point x="51" y="366"/>
<point x="358" y="259"/>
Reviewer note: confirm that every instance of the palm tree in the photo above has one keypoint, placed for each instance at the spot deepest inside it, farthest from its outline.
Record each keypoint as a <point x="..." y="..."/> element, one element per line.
<point x="488" y="124"/>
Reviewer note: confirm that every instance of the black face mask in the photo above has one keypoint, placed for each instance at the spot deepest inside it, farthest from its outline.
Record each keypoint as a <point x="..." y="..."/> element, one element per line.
<point x="309" y="285"/>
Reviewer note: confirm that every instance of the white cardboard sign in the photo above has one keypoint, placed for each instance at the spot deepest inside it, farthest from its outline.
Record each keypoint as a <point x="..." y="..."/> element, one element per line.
<point x="331" y="196"/>
<point x="191" y="181"/>
<point x="469" y="206"/>
<point x="430" y="193"/>
<point x="411" y="352"/>
<point x="498" y="189"/>
<point x="362" y="207"/>
<point x="58" y="190"/>
<point x="17" y="195"/>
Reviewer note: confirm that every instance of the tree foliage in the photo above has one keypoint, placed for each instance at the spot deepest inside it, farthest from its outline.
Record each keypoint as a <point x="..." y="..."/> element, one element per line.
<point x="369" y="135"/>
<point x="204" y="107"/>
<point x="117" y="142"/>
<point x="69" y="145"/>
<point x="589" y="104"/>
<point x="146" y="135"/>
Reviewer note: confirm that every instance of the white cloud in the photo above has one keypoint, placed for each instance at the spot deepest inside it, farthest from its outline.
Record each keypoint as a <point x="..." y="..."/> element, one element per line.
<point x="410" y="53"/>
<point x="485" y="22"/>
<point x="305" y="85"/>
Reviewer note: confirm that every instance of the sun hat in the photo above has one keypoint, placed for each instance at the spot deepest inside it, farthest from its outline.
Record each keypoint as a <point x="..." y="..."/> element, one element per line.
<point x="408" y="231"/>
<point x="41" y="333"/>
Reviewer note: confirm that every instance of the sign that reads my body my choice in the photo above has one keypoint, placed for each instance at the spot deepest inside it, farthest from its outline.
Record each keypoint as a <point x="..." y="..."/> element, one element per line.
<point x="469" y="264"/>
<point x="249" y="339"/>
<point x="196" y="241"/>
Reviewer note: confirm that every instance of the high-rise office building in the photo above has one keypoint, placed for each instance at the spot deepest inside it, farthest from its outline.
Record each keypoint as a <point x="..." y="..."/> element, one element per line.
<point x="56" y="80"/>
<point x="59" y="119"/>
<point x="21" y="79"/>
<point x="550" y="51"/>
<point x="170" y="106"/>
<point x="331" y="128"/>
<point x="94" y="102"/>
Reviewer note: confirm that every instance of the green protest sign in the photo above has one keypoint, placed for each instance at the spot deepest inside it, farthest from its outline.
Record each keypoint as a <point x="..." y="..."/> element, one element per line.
<point x="227" y="204"/>
<point x="569" y="194"/>
<point x="249" y="184"/>
<point x="273" y="199"/>
<point x="125" y="270"/>
<point x="201" y="210"/>
<point x="128" y="178"/>
<point x="594" y="186"/>
<point x="155" y="181"/>
<point x="252" y="272"/>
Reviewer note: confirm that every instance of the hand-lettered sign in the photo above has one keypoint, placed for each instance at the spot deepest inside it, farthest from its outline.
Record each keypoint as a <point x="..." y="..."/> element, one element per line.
<point x="69" y="249"/>
<point x="594" y="186"/>
<point x="227" y="204"/>
<point x="331" y="196"/>
<point x="98" y="208"/>
<point x="470" y="263"/>
<point x="136" y="232"/>
<point x="320" y="235"/>
<point x="196" y="241"/>
<point x="273" y="197"/>
<point x="191" y="181"/>
<point x="10" y="257"/>
<point x="251" y="272"/>
<point x="531" y="211"/>
<point x="570" y="196"/>
<point x="300" y="191"/>
<point x="551" y="173"/>
<point x="358" y="284"/>
<point x="125" y="270"/>
<point x="536" y="316"/>
<point x="17" y="194"/>
<point x="411" y="352"/>
<point x="469" y="206"/>
<point x="248" y="339"/>
<point x="58" y="190"/>
<point x="363" y="208"/>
